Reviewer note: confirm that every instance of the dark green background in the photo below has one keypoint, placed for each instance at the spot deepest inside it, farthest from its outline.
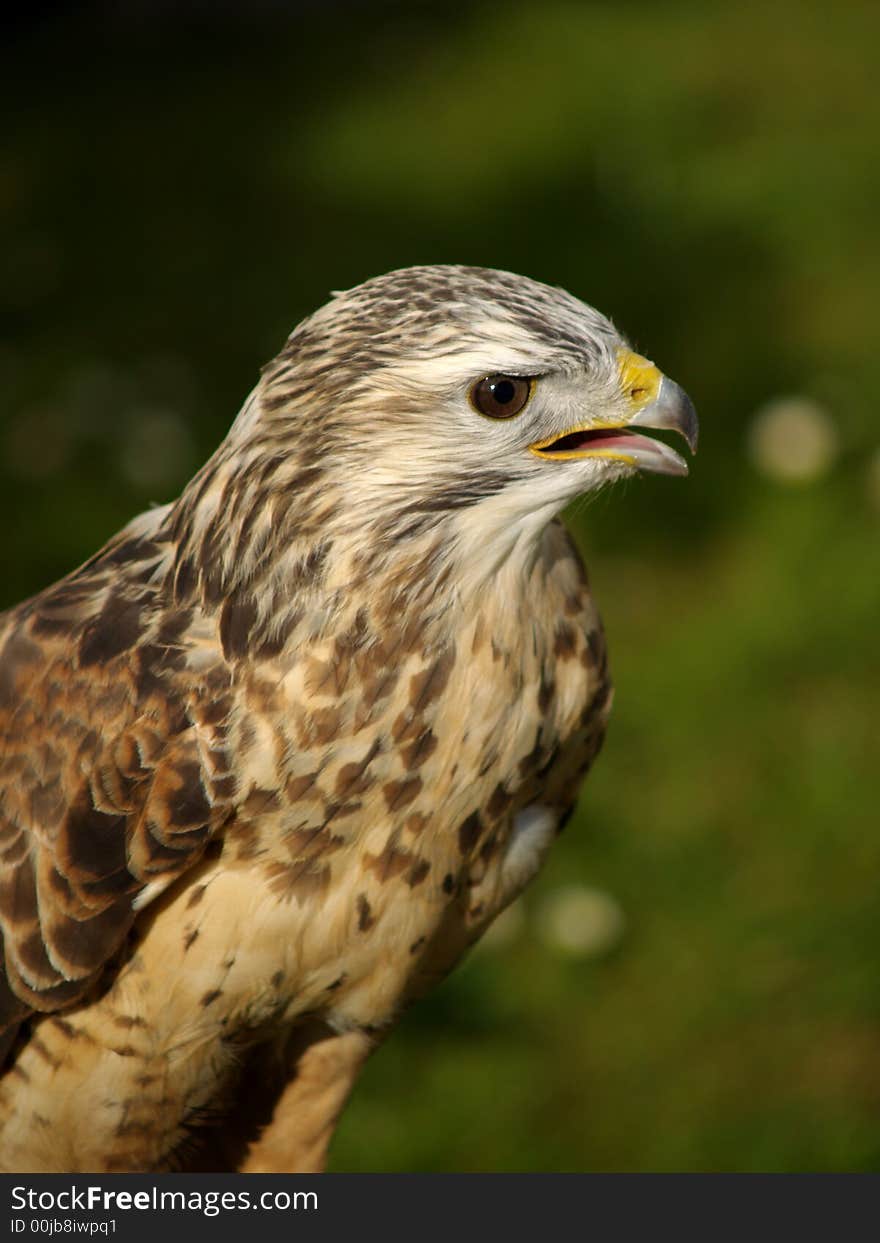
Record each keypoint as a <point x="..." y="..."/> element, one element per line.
<point x="180" y="184"/>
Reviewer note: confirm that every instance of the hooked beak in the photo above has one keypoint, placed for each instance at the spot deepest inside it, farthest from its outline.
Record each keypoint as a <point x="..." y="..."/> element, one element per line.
<point x="671" y="410"/>
<point x="659" y="403"/>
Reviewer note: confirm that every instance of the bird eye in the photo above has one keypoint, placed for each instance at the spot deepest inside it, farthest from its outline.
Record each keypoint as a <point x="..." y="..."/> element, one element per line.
<point x="501" y="396"/>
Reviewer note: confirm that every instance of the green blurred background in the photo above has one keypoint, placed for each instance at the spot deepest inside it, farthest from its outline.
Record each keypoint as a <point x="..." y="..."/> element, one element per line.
<point x="691" y="983"/>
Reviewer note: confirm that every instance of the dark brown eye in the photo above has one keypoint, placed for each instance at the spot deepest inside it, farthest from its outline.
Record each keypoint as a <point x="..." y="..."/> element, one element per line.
<point x="501" y="396"/>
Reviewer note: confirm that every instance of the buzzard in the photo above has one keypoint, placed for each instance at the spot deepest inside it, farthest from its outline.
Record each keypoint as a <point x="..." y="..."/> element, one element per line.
<point x="273" y="758"/>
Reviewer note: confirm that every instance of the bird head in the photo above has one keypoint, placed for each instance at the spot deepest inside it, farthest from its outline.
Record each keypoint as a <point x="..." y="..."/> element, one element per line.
<point x="476" y="380"/>
<point x="447" y="401"/>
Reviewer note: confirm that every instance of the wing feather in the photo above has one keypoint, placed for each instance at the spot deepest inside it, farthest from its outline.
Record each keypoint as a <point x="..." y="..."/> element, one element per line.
<point x="105" y="793"/>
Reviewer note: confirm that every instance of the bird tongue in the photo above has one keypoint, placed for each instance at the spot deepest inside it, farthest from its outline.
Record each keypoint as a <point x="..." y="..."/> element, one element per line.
<point x="579" y="440"/>
<point x="642" y="452"/>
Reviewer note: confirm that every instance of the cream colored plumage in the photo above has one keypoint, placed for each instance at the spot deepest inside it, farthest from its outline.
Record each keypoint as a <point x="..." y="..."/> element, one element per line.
<point x="282" y="750"/>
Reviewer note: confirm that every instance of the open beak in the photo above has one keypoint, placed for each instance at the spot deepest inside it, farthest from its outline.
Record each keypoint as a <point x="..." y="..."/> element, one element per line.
<point x="659" y="403"/>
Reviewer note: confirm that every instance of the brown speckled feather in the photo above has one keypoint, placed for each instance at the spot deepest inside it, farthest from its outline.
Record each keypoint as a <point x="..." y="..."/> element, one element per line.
<point x="113" y="771"/>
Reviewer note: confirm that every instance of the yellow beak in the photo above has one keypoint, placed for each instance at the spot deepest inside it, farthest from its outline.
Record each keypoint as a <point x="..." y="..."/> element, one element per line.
<point x="656" y="402"/>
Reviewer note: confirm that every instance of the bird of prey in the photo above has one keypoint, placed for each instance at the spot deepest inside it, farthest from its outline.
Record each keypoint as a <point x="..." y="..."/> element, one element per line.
<point x="273" y="758"/>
